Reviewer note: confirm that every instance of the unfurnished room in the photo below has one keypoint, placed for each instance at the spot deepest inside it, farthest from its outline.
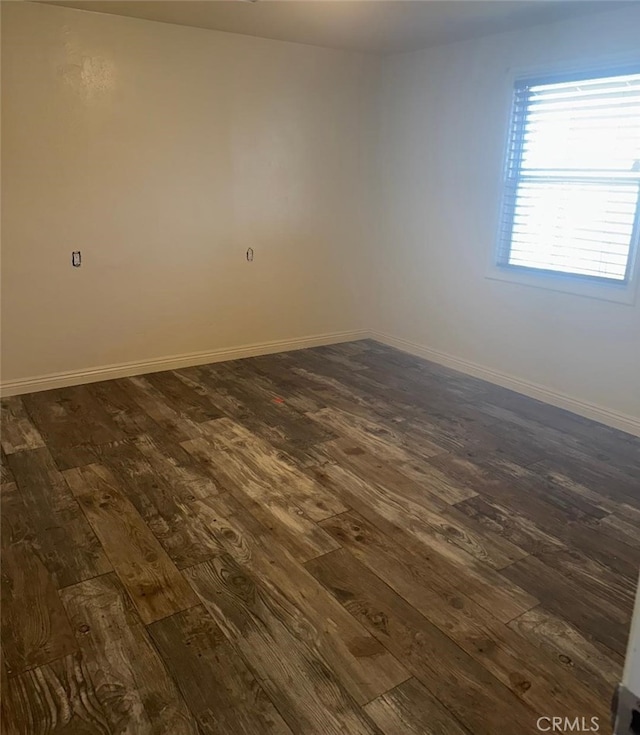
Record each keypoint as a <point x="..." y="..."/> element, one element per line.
<point x="320" y="373"/>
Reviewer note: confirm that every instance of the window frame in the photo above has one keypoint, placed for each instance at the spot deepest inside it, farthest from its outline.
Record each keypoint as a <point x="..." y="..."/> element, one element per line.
<point x="593" y="286"/>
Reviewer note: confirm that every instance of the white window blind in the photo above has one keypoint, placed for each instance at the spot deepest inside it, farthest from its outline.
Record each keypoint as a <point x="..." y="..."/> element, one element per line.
<point x="573" y="176"/>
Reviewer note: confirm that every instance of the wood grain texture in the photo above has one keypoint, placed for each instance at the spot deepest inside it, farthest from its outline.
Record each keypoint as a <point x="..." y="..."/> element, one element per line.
<point x="5" y="471"/>
<point x="410" y="709"/>
<point x="35" y="629"/>
<point x="282" y="656"/>
<point x="296" y="530"/>
<point x="241" y="393"/>
<point x="14" y="520"/>
<point x="169" y="517"/>
<point x="188" y="477"/>
<point x="156" y="586"/>
<point x="595" y="665"/>
<point x="444" y="529"/>
<point x="68" y="417"/>
<point x="18" y="431"/>
<point x="68" y="546"/>
<point x="266" y="463"/>
<point x="222" y="693"/>
<point x="59" y="697"/>
<point x="175" y="425"/>
<point x="195" y="406"/>
<point x="476" y="699"/>
<point x="431" y="484"/>
<point x="595" y="616"/>
<point x="344" y="539"/>
<point x="539" y="682"/>
<point x="130" y="418"/>
<point x="478" y="580"/>
<point x="365" y="667"/>
<point x="127" y="675"/>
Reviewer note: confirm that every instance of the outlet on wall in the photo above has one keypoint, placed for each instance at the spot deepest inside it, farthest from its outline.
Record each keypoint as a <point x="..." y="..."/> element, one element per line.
<point x="76" y="259"/>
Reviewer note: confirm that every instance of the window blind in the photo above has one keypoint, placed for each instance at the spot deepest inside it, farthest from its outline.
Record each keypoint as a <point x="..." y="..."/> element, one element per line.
<point x="573" y="176"/>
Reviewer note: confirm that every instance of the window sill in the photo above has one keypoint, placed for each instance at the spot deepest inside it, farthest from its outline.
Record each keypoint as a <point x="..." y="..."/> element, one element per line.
<point x="624" y="293"/>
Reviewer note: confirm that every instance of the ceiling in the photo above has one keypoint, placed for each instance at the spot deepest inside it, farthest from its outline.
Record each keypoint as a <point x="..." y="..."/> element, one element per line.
<point x="374" y="26"/>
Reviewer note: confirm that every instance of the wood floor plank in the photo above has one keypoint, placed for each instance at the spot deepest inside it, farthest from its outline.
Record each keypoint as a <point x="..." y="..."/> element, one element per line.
<point x="605" y="549"/>
<point x="281" y="388"/>
<point x="130" y="418"/>
<point x="442" y="529"/>
<point x="594" y="616"/>
<point x="273" y="506"/>
<point x="596" y="666"/>
<point x="308" y="391"/>
<point x="176" y="426"/>
<point x="517" y="528"/>
<point x="584" y="494"/>
<point x="266" y="407"/>
<point x="302" y="538"/>
<point x="514" y="488"/>
<point x="265" y="462"/>
<point x="5" y="471"/>
<point x="217" y="685"/>
<point x="156" y="586"/>
<point x="129" y="680"/>
<point x="332" y="388"/>
<point x="35" y="629"/>
<point x="171" y="519"/>
<point x="380" y="441"/>
<point x="9" y="718"/>
<point x="56" y="698"/>
<point x="544" y="487"/>
<point x="248" y="402"/>
<point x="18" y="431"/>
<point x="607" y="478"/>
<point x="69" y="547"/>
<point x="15" y="525"/>
<point x="422" y="479"/>
<point x="410" y="709"/>
<point x="66" y="417"/>
<point x="365" y="668"/>
<point x="480" y="583"/>
<point x="183" y="399"/>
<point x="300" y="684"/>
<point x="538" y="679"/>
<point x="478" y="699"/>
<point x="618" y="528"/>
<point x="188" y="477"/>
<point x="590" y="575"/>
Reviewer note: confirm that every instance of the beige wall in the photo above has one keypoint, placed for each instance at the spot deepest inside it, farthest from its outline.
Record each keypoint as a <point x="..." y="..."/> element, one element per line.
<point x="442" y="136"/>
<point x="162" y="153"/>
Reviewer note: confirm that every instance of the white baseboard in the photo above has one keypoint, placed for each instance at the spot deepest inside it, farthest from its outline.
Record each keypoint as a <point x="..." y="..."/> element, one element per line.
<point x="617" y="420"/>
<point x="126" y="369"/>
<point x="605" y="416"/>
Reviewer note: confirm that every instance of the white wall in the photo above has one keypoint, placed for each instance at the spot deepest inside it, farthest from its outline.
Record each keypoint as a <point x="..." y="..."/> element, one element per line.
<point x="163" y="152"/>
<point x="443" y="124"/>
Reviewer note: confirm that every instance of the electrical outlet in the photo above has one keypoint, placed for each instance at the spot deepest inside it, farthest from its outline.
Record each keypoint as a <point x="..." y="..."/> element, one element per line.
<point x="76" y="259"/>
<point x="249" y="254"/>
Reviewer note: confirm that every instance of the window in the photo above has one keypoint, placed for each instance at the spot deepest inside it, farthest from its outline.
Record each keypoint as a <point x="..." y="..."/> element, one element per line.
<point x="572" y="193"/>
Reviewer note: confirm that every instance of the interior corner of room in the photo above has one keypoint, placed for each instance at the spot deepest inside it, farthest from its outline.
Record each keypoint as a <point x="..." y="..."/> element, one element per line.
<point x="366" y="186"/>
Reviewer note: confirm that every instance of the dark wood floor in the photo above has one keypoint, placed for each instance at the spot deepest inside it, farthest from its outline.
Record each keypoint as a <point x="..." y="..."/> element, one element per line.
<point x="341" y="540"/>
